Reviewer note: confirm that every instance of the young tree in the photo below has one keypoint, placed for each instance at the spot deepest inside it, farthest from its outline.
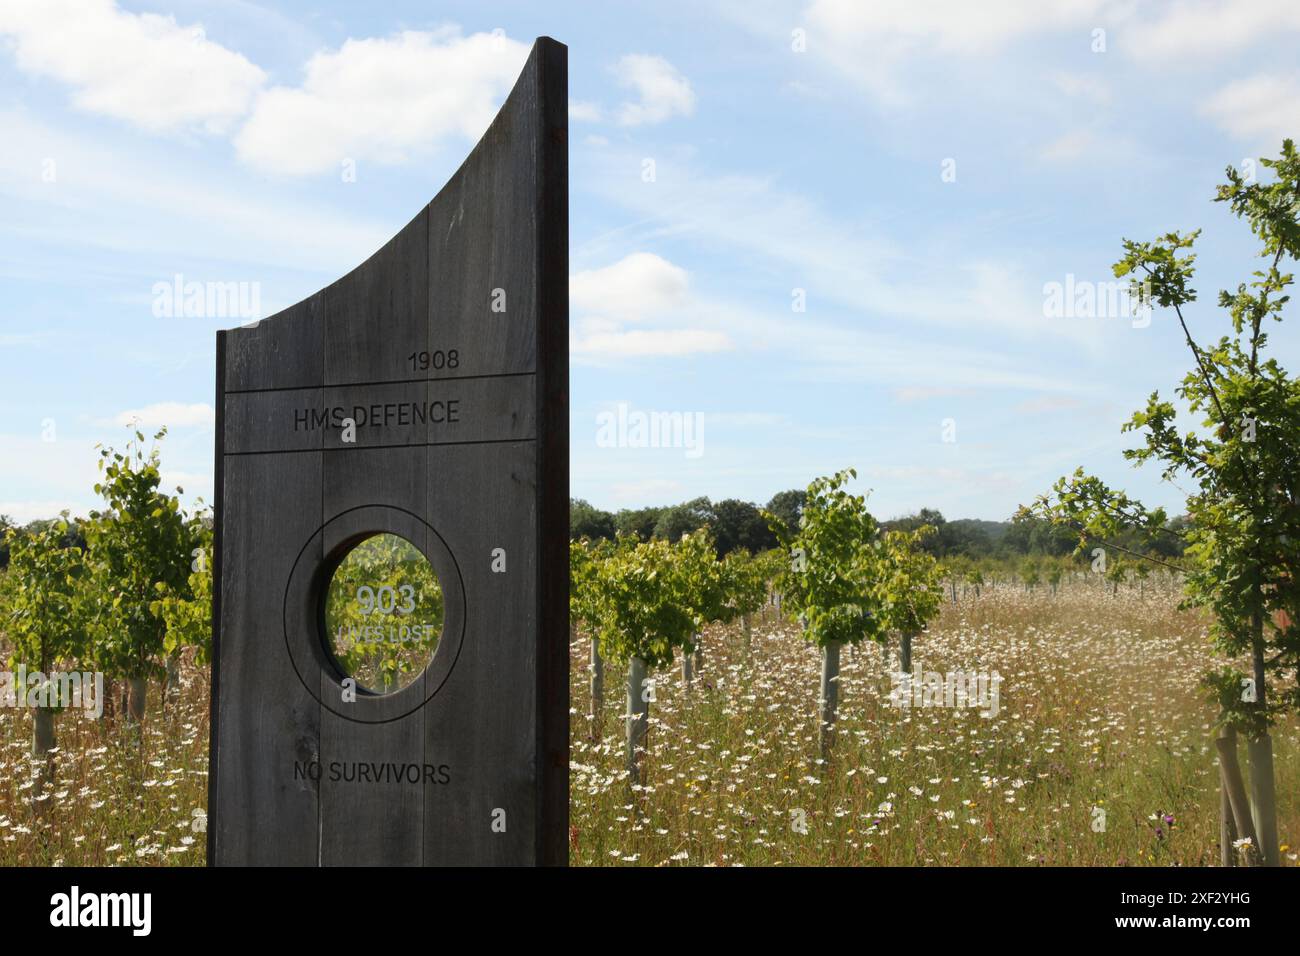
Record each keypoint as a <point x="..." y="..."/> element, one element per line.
<point x="703" y="589"/>
<point x="643" y="612"/>
<point x="745" y="584"/>
<point x="140" y="551"/>
<point x="833" y="578"/>
<point x="43" y="615"/>
<point x="912" y="587"/>
<point x="1055" y="571"/>
<point x="187" y="616"/>
<point x="1243" y="533"/>
<point x="1029" y="573"/>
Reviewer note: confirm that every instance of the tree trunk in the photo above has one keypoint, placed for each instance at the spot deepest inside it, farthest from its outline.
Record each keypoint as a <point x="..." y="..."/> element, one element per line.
<point x="1262" y="803"/>
<point x="42" y="731"/>
<point x="1260" y="752"/>
<point x="905" y="652"/>
<point x="953" y="582"/>
<point x="745" y="629"/>
<point x="830" y="695"/>
<point x="1230" y="776"/>
<point x="597" y="687"/>
<point x="638" y="717"/>
<point x="1227" y="826"/>
<point x="173" y="686"/>
<point x="688" y="668"/>
<point x="137" y="691"/>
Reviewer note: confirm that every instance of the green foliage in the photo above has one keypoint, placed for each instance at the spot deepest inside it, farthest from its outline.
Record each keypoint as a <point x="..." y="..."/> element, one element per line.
<point x="682" y="519"/>
<point x="835" y="572"/>
<point x="584" y="580"/>
<point x="786" y="507"/>
<point x="187" y="616"/>
<point x="588" y="522"/>
<point x="1029" y="572"/>
<point x="1242" y="538"/>
<point x="699" y="578"/>
<point x="384" y="612"/>
<point x="44" y="609"/>
<point x="739" y="525"/>
<point x="911" y="588"/>
<point x="642" y="603"/>
<point x="140" y="551"/>
<point x="639" y="522"/>
<point x="745" y="581"/>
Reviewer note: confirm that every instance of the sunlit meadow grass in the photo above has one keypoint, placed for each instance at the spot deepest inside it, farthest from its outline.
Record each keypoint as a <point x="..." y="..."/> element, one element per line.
<point x="113" y="794"/>
<point x="1099" y="709"/>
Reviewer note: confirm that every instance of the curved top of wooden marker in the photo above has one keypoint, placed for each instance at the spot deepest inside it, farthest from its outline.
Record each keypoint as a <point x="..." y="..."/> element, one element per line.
<point x="495" y="234"/>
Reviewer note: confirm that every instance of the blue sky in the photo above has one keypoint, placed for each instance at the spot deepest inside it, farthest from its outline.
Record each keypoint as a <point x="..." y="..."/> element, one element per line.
<point x="920" y="171"/>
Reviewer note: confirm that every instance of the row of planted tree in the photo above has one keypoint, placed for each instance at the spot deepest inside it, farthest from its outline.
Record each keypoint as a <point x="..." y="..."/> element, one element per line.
<point x="848" y="581"/>
<point x="121" y="592"/>
<point x="838" y="573"/>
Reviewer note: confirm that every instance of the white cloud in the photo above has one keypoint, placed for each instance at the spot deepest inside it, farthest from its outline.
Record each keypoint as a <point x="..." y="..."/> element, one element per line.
<point x="171" y="414"/>
<point x="582" y="111"/>
<point x="663" y="92"/>
<point x="383" y="100"/>
<point x="169" y="206"/>
<point x="636" y="286"/>
<point x="952" y="26"/>
<point x="639" y="289"/>
<point x="649" y="343"/>
<point x="1196" y="30"/>
<point x="1264" y="107"/>
<point x="838" y="263"/>
<point x="869" y="41"/>
<point x="143" y="68"/>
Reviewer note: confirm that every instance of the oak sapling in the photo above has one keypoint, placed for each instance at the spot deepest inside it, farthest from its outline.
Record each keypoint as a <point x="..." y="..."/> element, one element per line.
<point x="140" y="550"/>
<point x="745" y="585"/>
<point x="1242" y="535"/>
<point x="642" y="609"/>
<point x="44" y="611"/>
<point x="833" y="579"/>
<point x="911" y="587"/>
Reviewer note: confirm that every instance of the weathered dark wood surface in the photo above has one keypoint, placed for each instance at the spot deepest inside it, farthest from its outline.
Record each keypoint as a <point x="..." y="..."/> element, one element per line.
<point x="490" y="713"/>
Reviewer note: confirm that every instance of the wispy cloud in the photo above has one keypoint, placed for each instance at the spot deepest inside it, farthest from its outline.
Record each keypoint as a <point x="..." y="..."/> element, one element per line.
<point x="143" y="68"/>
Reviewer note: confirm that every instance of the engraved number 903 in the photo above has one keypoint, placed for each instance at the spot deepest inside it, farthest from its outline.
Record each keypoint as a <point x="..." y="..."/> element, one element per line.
<point x="384" y="600"/>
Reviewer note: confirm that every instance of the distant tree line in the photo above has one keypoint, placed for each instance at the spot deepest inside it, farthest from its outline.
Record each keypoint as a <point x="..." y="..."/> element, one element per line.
<point x="732" y="524"/>
<point x="736" y="524"/>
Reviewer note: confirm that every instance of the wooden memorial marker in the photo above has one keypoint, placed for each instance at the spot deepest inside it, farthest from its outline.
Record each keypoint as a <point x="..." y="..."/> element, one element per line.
<point x="390" y="620"/>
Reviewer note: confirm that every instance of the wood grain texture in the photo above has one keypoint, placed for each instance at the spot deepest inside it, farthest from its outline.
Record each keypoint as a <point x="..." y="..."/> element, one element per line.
<point x="487" y="721"/>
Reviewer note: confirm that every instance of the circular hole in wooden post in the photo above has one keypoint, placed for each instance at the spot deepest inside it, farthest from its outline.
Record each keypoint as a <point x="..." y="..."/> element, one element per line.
<point x="383" y="613"/>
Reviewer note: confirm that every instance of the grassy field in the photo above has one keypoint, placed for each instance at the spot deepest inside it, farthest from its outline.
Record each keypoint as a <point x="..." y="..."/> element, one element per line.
<point x="115" y="795"/>
<point x="1098" y="709"/>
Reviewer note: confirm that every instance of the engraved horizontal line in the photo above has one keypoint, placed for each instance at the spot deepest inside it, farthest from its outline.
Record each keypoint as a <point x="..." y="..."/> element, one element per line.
<point x="416" y="444"/>
<point x="397" y="381"/>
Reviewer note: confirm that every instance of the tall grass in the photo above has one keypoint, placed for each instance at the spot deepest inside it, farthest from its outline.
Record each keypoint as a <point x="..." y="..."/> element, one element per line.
<point x="1099" y="712"/>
